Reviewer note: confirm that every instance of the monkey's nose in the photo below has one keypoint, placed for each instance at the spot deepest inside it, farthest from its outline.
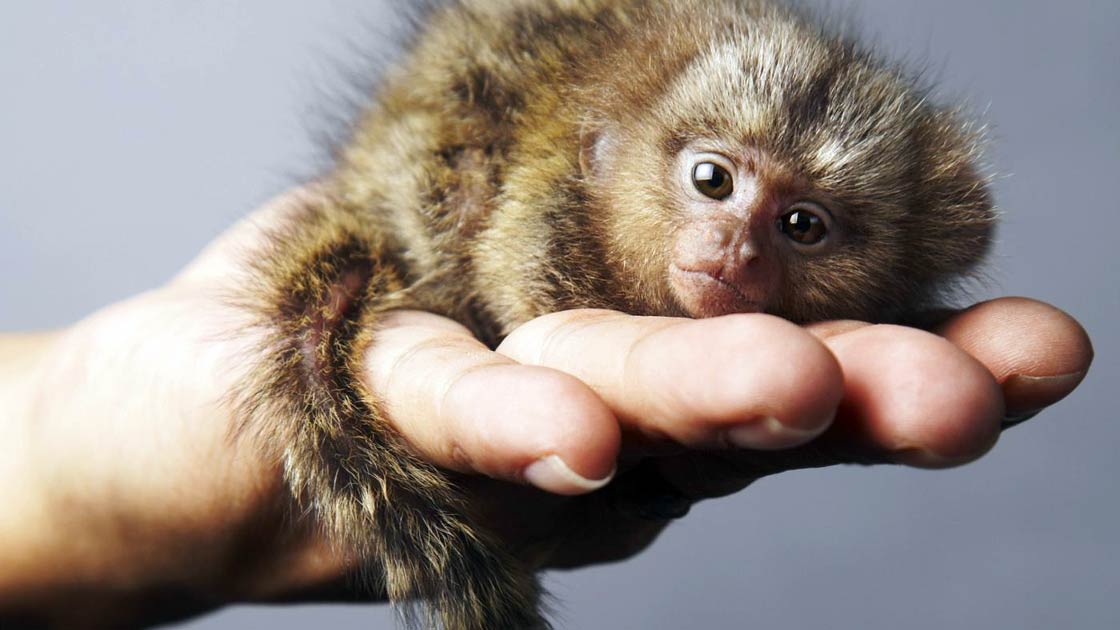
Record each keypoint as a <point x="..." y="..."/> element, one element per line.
<point x="722" y="266"/>
<point x="746" y="254"/>
<point x="731" y="242"/>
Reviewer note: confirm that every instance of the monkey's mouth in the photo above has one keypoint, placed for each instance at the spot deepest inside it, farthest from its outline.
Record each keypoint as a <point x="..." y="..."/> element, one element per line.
<point x="707" y="294"/>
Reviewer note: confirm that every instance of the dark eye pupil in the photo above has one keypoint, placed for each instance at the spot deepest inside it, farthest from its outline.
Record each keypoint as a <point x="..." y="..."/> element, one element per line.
<point x="804" y="227"/>
<point x="712" y="180"/>
<point x="801" y="221"/>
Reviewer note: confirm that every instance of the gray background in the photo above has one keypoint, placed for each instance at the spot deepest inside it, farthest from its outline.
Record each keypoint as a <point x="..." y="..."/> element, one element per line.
<point x="132" y="133"/>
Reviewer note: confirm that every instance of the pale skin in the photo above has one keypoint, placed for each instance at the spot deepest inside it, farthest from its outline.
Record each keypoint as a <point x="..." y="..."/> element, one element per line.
<point x="127" y="499"/>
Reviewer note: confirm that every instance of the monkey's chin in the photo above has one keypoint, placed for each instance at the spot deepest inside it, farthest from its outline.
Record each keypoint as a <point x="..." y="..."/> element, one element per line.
<point x="704" y="295"/>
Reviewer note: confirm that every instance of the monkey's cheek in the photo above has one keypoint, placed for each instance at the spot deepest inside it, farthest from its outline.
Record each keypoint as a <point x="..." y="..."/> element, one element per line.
<point x="703" y="295"/>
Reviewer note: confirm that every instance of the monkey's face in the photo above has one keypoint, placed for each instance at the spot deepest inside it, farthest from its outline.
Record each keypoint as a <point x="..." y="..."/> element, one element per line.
<point x="788" y="175"/>
<point x="743" y="220"/>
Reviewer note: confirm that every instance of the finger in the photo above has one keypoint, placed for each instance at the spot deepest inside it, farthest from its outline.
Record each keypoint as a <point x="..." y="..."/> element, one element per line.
<point x="1037" y="353"/>
<point x="912" y="397"/>
<point x="468" y="409"/>
<point x="741" y="381"/>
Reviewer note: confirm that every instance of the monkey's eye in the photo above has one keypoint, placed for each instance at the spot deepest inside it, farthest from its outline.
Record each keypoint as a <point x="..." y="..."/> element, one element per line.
<point x="804" y="224"/>
<point x="712" y="180"/>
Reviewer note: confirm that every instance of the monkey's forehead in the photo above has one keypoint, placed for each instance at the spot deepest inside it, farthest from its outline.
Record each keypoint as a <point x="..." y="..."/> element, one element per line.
<point x="790" y="89"/>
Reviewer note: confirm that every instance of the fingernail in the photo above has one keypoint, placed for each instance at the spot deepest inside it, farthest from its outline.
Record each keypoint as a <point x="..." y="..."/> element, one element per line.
<point x="552" y="474"/>
<point x="767" y="433"/>
<point x="1029" y="394"/>
<point x="926" y="458"/>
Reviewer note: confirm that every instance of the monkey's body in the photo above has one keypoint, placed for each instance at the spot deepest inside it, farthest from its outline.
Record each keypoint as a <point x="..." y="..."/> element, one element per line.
<point x="517" y="162"/>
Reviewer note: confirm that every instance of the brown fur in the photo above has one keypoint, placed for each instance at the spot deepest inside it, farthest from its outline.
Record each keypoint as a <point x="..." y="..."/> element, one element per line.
<point x="462" y="192"/>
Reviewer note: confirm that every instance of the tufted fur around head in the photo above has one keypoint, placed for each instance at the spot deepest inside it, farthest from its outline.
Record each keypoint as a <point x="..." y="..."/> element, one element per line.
<point x="485" y="123"/>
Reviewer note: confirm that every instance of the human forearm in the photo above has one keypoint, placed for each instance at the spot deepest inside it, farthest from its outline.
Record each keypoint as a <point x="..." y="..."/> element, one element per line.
<point x="125" y="498"/>
<point x="25" y="558"/>
<point x="61" y="564"/>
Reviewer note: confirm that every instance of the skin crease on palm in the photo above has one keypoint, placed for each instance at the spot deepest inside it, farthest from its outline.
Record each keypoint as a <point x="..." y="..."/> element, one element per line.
<point x="122" y="476"/>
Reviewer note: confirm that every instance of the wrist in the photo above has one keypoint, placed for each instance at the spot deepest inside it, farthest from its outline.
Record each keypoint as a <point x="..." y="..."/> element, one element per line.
<point x="63" y="559"/>
<point x="25" y="562"/>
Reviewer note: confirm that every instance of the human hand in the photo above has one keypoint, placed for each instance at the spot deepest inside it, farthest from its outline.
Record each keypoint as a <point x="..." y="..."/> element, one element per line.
<point x="132" y="481"/>
<point x="706" y="407"/>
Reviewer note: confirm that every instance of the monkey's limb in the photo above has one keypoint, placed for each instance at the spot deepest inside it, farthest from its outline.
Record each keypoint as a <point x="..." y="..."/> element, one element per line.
<point x="327" y="280"/>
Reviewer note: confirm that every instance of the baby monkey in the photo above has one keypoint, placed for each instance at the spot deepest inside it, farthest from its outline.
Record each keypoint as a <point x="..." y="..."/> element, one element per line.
<point x="659" y="157"/>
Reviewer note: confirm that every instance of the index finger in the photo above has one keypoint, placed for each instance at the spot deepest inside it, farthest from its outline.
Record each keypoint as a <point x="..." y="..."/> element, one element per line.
<point x="740" y="381"/>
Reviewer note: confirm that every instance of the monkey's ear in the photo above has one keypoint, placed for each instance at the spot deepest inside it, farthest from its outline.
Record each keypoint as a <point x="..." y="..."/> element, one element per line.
<point x="596" y="149"/>
<point x="962" y="218"/>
